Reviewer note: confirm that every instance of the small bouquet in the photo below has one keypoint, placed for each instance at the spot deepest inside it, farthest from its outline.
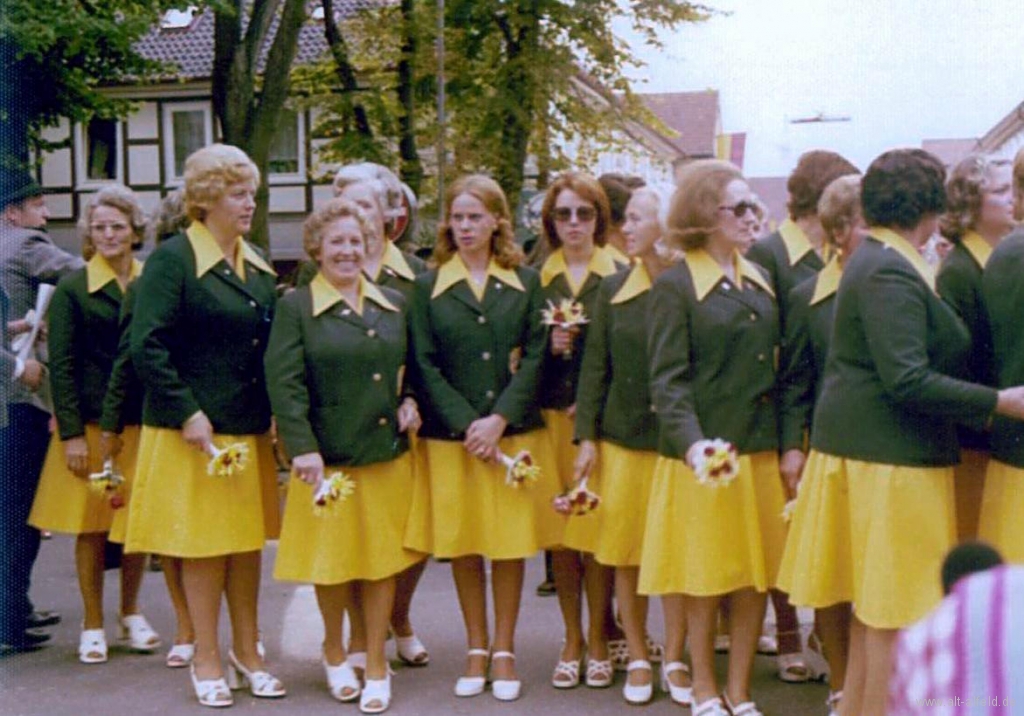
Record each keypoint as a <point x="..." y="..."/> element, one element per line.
<point x="225" y="462"/>
<point x="332" y="490"/>
<point x="578" y="501"/>
<point x="109" y="481"/>
<point x="716" y="463"/>
<point x="788" y="511"/>
<point x="519" y="469"/>
<point x="567" y="314"/>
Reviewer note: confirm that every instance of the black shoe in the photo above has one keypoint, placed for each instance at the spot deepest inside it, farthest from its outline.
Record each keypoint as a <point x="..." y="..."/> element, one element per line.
<point x="40" y="619"/>
<point x="545" y="588"/>
<point x="25" y="641"/>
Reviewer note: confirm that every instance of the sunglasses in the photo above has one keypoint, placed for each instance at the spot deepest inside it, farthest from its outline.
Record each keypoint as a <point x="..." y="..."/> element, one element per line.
<point x="739" y="209"/>
<point x="583" y="213"/>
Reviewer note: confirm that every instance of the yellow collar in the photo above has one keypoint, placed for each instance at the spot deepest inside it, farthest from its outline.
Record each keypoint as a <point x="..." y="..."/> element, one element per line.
<point x="601" y="264"/>
<point x="454" y="270"/>
<point x="637" y="283"/>
<point x="977" y="247"/>
<point x="326" y="296"/>
<point x="98" y="273"/>
<point x="707" y="273"/>
<point x="795" y="240"/>
<point x="394" y="259"/>
<point x="208" y="253"/>
<point x="896" y="242"/>
<point x="827" y="282"/>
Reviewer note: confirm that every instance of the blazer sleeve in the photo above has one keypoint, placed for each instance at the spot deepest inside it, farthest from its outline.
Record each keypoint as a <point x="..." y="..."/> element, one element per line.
<point x="796" y="377"/>
<point x="65" y="329"/>
<point x="595" y="373"/>
<point x="520" y="394"/>
<point x="668" y="345"/>
<point x="122" y="374"/>
<point x="157" y="311"/>
<point x="444" y="399"/>
<point x="285" y="366"/>
<point x="898" y="344"/>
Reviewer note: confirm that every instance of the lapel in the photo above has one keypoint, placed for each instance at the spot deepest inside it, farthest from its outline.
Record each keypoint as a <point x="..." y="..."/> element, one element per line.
<point x="708" y="278"/>
<point x="210" y="260"/>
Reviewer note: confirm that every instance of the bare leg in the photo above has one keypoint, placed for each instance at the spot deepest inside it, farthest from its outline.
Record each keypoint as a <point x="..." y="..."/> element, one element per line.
<point x="747" y="616"/>
<point x="834" y="629"/>
<point x="878" y="645"/>
<point x="787" y="626"/>
<point x="186" y="633"/>
<point x="568" y="571"/>
<point x="507" y="585"/>
<point x="203" y="580"/>
<point x="356" y="619"/>
<point x="599" y="582"/>
<point x="470" y="584"/>
<point x="405" y="587"/>
<point x="674" y="607"/>
<point x="856" y="671"/>
<point x="332" y="598"/>
<point x="633" y="610"/>
<point x="378" y="601"/>
<point x="89" y="563"/>
<point x="242" y="584"/>
<point x="701" y="615"/>
<point x="133" y="566"/>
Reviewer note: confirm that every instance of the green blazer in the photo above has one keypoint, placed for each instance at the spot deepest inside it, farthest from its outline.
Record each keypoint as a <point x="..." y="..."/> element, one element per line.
<point x="1003" y="293"/>
<point x="808" y="330"/>
<point x="613" y="401"/>
<point x="197" y="339"/>
<point x="888" y="395"/>
<point x="83" y="337"/>
<point x="712" y="352"/>
<point x="959" y="284"/>
<point x="335" y="376"/>
<point x="559" y="375"/>
<point x="472" y="357"/>
<point x="789" y="259"/>
<point x="122" y="403"/>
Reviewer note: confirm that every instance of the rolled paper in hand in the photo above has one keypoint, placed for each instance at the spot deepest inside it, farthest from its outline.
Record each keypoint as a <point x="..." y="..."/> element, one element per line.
<point x="27" y="341"/>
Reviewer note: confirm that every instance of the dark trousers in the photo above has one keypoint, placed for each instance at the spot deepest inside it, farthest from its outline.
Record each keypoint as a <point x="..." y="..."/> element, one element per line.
<point x="23" y="445"/>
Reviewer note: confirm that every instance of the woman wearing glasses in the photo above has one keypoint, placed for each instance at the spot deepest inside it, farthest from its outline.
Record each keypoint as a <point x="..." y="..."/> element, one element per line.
<point x="575" y="219"/>
<point x="83" y="320"/>
<point x="712" y="336"/>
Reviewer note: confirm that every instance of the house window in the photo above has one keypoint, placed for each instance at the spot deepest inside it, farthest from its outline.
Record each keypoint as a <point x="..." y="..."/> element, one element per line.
<point x="287" y="159"/>
<point x="98" y="151"/>
<point x="188" y="126"/>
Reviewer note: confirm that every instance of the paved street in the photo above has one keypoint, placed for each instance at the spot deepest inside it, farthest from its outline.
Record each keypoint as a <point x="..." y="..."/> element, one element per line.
<point x="51" y="681"/>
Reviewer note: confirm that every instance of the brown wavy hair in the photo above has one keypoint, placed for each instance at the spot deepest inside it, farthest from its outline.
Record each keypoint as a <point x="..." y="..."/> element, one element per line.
<point x="313" y="227"/>
<point x="504" y="249"/>
<point x="693" y="216"/>
<point x="814" y="171"/>
<point x="589" y="189"/>
<point x="965" y="191"/>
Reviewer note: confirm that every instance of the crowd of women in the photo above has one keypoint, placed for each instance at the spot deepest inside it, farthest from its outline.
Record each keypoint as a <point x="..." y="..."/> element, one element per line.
<point x="446" y="409"/>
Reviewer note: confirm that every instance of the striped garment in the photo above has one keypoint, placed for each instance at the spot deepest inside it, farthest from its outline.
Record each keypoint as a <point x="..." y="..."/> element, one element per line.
<point x="966" y="657"/>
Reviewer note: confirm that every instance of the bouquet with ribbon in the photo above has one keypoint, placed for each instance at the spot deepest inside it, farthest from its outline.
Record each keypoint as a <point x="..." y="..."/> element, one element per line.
<point x="225" y="462"/>
<point x="330" y="491"/>
<point x="109" y="482"/>
<point x="716" y="462"/>
<point x="568" y="314"/>
<point x="520" y="469"/>
<point x="578" y="501"/>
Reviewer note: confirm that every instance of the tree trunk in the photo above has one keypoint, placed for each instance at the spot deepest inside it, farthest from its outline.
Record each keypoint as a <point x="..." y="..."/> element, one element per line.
<point x="411" y="169"/>
<point x="346" y="73"/>
<point x="517" y="100"/>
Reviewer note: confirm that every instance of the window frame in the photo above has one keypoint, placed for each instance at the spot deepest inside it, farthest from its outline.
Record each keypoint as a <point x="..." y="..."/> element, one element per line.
<point x="298" y="176"/>
<point x="167" y="125"/>
<point x="82" y="179"/>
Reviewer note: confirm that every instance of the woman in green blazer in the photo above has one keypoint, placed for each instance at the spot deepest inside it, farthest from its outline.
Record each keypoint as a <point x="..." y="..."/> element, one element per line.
<point x="478" y="344"/>
<point x="200" y="327"/>
<point x="83" y="320"/>
<point x="335" y="365"/>
<point x="885" y="421"/>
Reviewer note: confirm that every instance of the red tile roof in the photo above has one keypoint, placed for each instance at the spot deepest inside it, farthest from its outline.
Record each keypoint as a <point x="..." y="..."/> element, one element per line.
<point x="694" y="115"/>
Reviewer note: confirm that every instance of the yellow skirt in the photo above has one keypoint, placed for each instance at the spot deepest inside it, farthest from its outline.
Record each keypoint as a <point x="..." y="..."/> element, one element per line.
<point x="179" y="510"/>
<point x="66" y="503"/>
<point x="1002" y="506"/>
<point x="461" y="505"/>
<point x="357" y="538"/>
<point x="624" y="484"/>
<point x="705" y="541"/>
<point x="902" y="524"/>
<point x="817" y="563"/>
<point x="581" y="533"/>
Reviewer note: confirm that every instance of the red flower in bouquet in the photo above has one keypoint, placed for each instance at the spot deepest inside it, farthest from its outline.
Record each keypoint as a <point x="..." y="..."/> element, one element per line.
<point x="332" y="490"/>
<point x="716" y="462"/>
<point x="578" y="501"/>
<point x="520" y="469"/>
<point x="225" y="462"/>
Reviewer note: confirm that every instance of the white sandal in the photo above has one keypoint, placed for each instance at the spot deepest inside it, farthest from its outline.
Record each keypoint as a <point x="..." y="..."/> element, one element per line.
<point x="180" y="656"/>
<point x="376" y="690"/>
<point x="569" y="670"/>
<point x="600" y="673"/>
<point x="262" y="684"/>
<point x="642" y="693"/>
<point x="342" y="677"/>
<point x="505" y="689"/>
<point x="467" y="686"/>
<point x="92" y="646"/>
<point x="138" y="635"/>
<point x="747" y="708"/>
<point x="411" y="650"/>
<point x="682" y="695"/>
<point x="211" y="692"/>
<point x="711" y="707"/>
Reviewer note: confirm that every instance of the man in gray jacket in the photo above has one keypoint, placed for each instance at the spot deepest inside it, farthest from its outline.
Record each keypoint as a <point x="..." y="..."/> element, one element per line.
<point x="27" y="258"/>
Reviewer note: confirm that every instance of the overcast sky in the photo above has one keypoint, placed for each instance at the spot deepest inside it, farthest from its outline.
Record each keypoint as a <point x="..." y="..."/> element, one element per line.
<point x="902" y="70"/>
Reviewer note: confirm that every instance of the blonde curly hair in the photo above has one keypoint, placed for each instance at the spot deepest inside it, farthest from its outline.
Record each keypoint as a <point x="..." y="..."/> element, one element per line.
<point x="334" y="210"/>
<point x="116" y="196"/>
<point x="208" y="173"/>
<point x="965" y="191"/>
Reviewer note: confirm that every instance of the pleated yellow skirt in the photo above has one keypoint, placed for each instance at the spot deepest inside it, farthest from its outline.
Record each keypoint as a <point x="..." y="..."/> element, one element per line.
<point x="705" y="541"/>
<point x="461" y="505"/>
<point x="66" y="503"/>
<point x="624" y="483"/>
<point x="357" y="538"/>
<point x="1002" y="510"/>
<point x="581" y="533"/>
<point x="817" y="564"/>
<point x="178" y="510"/>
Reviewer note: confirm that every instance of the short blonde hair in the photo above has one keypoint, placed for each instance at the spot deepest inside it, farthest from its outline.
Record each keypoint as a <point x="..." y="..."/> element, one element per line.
<point x="1018" y="186"/>
<point x="839" y="205"/>
<point x="208" y="173"/>
<point x="965" y="191"/>
<point x="504" y="250"/>
<point x="693" y="216"/>
<point x="334" y="210"/>
<point x="116" y="196"/>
